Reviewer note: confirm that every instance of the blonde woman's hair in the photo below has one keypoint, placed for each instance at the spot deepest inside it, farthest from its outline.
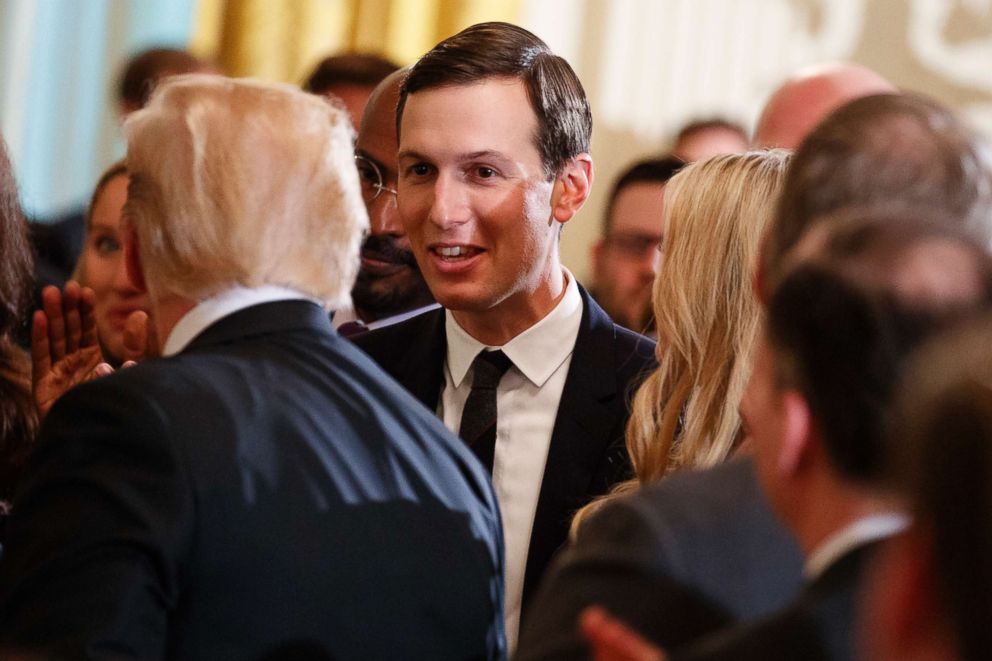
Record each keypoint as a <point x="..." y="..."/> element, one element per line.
<point x="685" y="415"/>
<point x="243" y="182"/>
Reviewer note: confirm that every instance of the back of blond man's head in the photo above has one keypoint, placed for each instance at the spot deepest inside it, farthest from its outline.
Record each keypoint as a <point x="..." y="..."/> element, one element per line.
<point x="237" y="182"/>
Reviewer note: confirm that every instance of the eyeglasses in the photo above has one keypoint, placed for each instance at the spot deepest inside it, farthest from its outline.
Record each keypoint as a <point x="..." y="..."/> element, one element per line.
<point x="371" y="179"/>
<point x="633" y="244"/>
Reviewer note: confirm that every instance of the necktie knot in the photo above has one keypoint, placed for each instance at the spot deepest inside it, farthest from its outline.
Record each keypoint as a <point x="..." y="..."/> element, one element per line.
<point x="488" y="368"/>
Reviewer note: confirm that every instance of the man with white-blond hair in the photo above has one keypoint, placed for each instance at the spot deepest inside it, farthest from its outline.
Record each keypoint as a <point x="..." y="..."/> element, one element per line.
<point x="263" y="490"/>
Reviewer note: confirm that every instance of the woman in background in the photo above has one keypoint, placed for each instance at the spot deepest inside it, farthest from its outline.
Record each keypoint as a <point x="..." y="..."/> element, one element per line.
<point x="79" y="335"/>
<point x="101" y="264"/>
<point x="685" y="415"/>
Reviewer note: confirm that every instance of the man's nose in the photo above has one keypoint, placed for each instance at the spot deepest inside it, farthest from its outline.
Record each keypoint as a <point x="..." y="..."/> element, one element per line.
<point x="384" y="215"/>
<point x="450" y="205"/>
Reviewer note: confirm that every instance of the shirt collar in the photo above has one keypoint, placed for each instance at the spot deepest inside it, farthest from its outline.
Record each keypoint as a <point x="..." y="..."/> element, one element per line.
<point x="537" y="352"/>
<point x="229" y="301"/>
<point x="860" y="532"/>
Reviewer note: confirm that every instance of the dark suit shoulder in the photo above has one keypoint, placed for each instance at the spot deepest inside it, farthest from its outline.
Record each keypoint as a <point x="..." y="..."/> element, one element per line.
<point x="819" y="625"/>
<point x="179" y="505"/>
<point x="679" y="559"/>
<point x="413" y="353"/>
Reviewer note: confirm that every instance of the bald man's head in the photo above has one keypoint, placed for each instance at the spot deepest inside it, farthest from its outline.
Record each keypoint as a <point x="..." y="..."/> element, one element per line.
<point x="805" y="99"/>
<point x="389" y="281"/>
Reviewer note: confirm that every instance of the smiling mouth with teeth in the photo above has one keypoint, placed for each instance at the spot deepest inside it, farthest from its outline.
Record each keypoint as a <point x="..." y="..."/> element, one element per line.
<point x="451" y="253"/>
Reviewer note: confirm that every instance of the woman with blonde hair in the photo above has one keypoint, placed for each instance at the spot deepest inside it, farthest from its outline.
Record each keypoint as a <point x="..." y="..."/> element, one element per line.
<point x="684" y="415"/>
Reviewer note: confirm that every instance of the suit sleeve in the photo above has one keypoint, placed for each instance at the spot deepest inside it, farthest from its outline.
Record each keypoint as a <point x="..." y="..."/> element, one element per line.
<point x="92" y="563"/>
<point x="621" y="561"/>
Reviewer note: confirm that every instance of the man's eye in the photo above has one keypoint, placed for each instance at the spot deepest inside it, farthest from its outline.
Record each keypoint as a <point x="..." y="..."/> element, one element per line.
<point x="367" y="174"/>
<point x="485" y="173"/>
<point x="420" y="169"/>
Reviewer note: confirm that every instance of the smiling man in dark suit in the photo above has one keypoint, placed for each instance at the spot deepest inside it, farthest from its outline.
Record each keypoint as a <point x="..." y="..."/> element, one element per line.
<point x="263" y="490"/>
<point x="494" y="134"/>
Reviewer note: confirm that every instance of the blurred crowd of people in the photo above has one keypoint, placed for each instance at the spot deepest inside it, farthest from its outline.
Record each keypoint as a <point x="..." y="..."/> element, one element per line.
<point x="308" y="379"/>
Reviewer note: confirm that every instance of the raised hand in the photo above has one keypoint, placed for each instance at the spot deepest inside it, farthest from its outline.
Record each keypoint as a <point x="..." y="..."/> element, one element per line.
<point x="64" y="346"/>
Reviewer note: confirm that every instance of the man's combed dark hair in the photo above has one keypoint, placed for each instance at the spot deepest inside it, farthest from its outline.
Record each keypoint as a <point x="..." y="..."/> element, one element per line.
<point x="493" y="50"/>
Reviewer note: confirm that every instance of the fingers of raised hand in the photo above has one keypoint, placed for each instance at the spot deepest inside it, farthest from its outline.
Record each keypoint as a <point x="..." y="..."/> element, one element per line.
<point x="41" y="357"/>
<point x="73" y="320"/>
<point x="87" y="313"/>
<point x="51" y="303"/>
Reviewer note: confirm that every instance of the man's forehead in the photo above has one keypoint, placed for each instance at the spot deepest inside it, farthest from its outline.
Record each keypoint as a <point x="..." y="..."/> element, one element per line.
<point x="493" y="115"/>
<point x="504" y="92"/>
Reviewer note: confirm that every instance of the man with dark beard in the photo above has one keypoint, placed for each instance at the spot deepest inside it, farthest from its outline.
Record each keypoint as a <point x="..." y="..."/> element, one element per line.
<point x="389" y="287"/>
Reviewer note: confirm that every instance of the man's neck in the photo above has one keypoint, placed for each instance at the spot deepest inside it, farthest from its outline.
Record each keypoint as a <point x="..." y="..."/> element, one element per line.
<point x="510" y="317"/>
<point x="831" y="504"/>
<point x="166" y="313"/>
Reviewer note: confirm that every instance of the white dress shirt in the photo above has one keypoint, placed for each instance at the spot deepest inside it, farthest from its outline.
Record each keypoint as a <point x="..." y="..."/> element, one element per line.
<point x="862" y="531"/>
<point x="221" y="305"/>
<point x="527" y="405"/>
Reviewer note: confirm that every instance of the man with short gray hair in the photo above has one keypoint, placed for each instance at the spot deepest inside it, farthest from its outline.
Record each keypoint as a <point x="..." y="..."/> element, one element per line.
<point x="263" y="491"/>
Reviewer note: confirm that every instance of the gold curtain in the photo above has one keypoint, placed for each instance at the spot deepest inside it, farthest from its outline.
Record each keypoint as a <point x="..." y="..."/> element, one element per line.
<point x="284" y="39"/>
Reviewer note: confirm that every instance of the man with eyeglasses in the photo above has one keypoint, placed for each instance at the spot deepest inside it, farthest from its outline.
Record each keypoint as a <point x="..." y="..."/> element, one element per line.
<point x="390" y="287"/>
<point x="626" y="257"/>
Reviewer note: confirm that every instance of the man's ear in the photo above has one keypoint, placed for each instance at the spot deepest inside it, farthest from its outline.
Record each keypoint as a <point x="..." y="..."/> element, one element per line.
<point x="132" y="260"/>
<point x="798" y="429"/>
<point x="572" y="187"/>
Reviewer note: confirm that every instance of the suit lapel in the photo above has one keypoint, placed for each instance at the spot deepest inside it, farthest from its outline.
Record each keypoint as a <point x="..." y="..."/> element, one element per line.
<point x="422" y="364"/>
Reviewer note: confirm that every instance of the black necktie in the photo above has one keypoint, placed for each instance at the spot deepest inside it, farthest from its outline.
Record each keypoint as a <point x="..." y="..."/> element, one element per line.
<point x="478" y="427"/>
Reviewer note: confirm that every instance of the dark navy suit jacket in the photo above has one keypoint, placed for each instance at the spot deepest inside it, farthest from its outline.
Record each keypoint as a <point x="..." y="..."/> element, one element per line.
<point x="677" y="560"/>
<point x="266" y="493"/>
<point x="587" y="454"/>
<point x="820" y="625"/>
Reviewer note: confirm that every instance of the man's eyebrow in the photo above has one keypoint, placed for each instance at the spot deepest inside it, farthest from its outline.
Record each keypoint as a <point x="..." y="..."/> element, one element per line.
<point x="364" y="154"/>
<point x="410" y="153"/>
<point x="485" y="153"/>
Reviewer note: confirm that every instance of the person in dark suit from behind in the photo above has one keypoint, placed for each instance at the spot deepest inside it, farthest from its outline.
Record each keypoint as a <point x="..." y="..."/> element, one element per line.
<point x="860" y="295"/>
<point x="262" y="490"/>
<point x="927" y="596"/>
<point x="494" y="133"/>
